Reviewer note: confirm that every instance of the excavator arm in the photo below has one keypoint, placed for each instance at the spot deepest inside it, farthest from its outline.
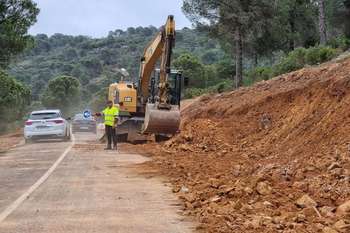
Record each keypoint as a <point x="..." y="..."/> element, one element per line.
<point x="160" y="117"/>
<point x="160" y="47"/>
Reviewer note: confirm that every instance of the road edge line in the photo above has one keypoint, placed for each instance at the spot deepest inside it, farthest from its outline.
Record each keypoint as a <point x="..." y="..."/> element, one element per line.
<point x="12" y="207"/>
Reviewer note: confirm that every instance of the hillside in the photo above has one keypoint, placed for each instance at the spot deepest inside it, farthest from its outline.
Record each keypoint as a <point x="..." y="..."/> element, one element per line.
<point x="96" y="62"/>
<point x="273" y="157"/>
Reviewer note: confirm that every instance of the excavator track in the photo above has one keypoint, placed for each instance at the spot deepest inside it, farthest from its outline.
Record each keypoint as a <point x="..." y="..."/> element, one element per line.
<point x="161" y="121"/>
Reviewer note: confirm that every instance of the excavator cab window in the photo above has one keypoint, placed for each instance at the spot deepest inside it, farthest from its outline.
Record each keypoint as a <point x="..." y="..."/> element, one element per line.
<point x="175" y="88"/>
<point x="186" y="81"/>
<point x="153" y="90"/>
<point x="175" y="85"/>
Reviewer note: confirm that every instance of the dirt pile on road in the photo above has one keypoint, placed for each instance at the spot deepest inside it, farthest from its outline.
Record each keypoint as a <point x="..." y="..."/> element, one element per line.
<point x="8" y="141"/>
<point x="274" y="157"/>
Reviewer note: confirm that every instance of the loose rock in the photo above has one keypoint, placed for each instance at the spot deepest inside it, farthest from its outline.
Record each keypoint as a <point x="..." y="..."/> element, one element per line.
<point x="342" y="226"/>
<point x="263" y="188"/>
<point x="329" y="230"/>
<point x="343" y="209"/>
<point x="306" y="201"/>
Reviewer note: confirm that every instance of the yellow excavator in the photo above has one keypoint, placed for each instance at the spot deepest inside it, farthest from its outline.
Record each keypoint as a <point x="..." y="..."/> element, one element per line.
<point x="152" y="106"/>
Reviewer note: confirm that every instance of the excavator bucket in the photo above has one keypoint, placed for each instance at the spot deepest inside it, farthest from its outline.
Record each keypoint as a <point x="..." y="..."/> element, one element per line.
<point x="161" y="121"/>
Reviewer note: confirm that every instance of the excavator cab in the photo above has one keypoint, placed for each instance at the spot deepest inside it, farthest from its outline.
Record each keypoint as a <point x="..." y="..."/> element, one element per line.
<point x="175" y="87"/>
<point x="176" y="84"/>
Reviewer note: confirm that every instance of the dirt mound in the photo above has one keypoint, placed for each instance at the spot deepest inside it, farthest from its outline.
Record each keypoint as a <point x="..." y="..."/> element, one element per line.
<point x="8" y="141"/>
<point x="274" y="157"/>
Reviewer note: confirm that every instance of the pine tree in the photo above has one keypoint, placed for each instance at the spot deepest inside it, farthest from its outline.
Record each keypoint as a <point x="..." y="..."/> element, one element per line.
<point x="231" y="20"/>
<point x="322" y="22"/>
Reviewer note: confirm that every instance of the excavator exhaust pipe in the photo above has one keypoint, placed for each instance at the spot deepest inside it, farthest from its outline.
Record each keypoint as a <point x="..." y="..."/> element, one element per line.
<point x="161" y="121"/>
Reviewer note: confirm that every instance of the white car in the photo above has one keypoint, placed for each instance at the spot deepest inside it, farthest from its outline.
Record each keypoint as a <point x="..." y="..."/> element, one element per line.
<point x="46" y="124"/>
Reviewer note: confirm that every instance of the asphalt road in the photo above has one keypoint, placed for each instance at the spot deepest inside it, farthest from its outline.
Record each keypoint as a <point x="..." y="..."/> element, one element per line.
<point x="77" y="187"/>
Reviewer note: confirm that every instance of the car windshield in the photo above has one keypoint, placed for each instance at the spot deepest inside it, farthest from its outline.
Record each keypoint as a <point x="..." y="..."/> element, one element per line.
<point x="44" y="116"/>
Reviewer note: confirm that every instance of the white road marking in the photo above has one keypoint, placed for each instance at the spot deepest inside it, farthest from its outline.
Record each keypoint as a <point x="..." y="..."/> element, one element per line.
<point x="26" y="195"/>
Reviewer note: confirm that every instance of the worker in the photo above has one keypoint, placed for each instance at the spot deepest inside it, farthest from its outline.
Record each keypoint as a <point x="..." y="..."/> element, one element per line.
<point x="110" y="114"/>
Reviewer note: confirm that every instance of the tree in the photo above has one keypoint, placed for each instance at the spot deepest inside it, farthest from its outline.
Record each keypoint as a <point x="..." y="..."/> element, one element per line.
<point x="262" y="43"/>
<point x="210" y="56"/>
<point x="225" y="68"/>
<point x="294" y="24"/>
<point x="347" y="18"/>
<point x="37" y="87"/>
<point x="131" y="30"/>
<point x="322" y="22"/>
<point x="14" y="100"/>
<point x="41" y="44"/>
<point x="93" y="65"/>
<point x="16" y="16"/>
<point x="192" y="68"/>
<point x="70" y="54"/>
<point x="62" y="92"/>
<point x="232" y="20"/>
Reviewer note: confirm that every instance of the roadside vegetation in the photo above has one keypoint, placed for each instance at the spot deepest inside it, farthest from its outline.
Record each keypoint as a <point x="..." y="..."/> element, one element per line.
<point x="15" y="19"/>
<point x="297" y="59"/>
<point x="14" y="101"/>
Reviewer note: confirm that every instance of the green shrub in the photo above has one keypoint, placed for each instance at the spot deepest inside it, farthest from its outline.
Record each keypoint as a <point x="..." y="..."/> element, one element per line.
<point x="341" y="42"/>
<point x="300" y="57"/>
<point x="222" y="86"/>
<point x="258" y="74"/>
<point x="194" y="92"/>
<point x="312" y="56"/>
<point x="225" y="85"/>
<point x="293" y="61"/>
<point x="14" y="100"/>
<point x="317" y="55"/>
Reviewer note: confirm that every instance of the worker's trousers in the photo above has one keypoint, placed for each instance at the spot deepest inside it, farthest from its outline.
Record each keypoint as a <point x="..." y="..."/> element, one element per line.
<point x="111" y="136"/>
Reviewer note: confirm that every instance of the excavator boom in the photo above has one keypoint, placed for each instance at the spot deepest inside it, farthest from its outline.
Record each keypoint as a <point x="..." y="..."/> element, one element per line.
<point x="160" y="47"/>
<point x="160" y="116"/>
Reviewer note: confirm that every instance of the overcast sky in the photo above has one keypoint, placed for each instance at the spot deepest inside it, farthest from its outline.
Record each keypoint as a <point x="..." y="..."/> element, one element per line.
<point x="97" y="17"/>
